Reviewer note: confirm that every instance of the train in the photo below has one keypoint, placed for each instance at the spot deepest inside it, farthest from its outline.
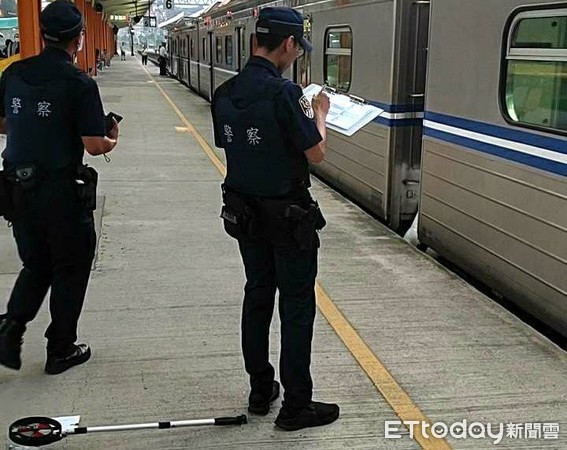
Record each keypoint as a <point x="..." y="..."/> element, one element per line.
<point x="473" y="137"/>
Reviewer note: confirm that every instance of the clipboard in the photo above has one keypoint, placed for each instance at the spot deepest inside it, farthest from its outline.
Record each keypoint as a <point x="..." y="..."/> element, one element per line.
<point x="347" y="113"/>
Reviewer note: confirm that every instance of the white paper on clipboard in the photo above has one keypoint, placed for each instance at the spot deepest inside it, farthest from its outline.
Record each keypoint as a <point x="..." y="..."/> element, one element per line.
<point x="346" y="115"/>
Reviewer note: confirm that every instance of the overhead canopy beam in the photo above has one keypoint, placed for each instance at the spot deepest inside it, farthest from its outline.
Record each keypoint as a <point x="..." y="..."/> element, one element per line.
<point x="131" y="8"/>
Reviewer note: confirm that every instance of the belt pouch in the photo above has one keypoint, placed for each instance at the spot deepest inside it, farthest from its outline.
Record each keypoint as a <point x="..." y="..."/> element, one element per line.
<point x="239" y="216"/>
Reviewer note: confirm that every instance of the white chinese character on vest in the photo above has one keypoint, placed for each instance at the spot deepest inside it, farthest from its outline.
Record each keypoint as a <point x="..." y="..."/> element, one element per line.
<point x="43" y="109"/>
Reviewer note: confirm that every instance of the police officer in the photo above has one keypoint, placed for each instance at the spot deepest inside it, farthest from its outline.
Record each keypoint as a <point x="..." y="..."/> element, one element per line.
<point x="51" y="112"/>
<point x="270" y="132"/>
<point x="162" y="59"/>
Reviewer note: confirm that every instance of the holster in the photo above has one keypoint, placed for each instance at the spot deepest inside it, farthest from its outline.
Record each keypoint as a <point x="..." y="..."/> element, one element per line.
<point x="255" y="217"/>
<point x="239" y="215"/>
<point x="87" y="181"/>
<point x="305" y="224"/>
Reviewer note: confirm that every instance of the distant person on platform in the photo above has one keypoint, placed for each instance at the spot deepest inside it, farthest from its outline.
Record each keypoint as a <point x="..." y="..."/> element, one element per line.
<point x="99" y="59"/>
<point x="106" y="57"/>
<point x="145" y="56"/>
<point x="9" y="48"/>
<point x="122" y="52"/>
<point x="162" y="60"/>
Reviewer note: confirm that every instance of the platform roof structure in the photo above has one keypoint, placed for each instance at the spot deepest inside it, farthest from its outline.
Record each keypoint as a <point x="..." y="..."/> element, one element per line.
<point x="120" y="11"/>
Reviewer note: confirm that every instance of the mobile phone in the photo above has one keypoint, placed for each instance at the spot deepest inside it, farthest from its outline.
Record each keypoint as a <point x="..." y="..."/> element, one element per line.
<point x="108" y="120"/>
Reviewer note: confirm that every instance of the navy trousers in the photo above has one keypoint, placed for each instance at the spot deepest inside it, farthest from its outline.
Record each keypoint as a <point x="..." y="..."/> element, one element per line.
<point x="270" y="264"/>
<point x="56" y="241"/>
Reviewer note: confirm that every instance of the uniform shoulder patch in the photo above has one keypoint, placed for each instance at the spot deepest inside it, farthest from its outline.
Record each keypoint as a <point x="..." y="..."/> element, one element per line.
<point x="306" y="107"/>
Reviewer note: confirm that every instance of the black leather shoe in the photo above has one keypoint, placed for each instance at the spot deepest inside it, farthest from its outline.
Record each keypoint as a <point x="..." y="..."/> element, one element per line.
<point x="11" y="339"/>
<point x="258" y="403"/>
<point x="77" y="354"/>
<point x="315" y="415"/>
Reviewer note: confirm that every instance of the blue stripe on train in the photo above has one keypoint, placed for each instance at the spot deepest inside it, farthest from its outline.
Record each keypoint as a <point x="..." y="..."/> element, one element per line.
<point x="523" y="137"/>
<point x="523" y="158"/>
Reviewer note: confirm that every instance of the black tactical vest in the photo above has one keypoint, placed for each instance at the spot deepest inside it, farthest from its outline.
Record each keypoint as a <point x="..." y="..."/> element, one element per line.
<point x="40" y="121"/>
<point x="260" y="161"/>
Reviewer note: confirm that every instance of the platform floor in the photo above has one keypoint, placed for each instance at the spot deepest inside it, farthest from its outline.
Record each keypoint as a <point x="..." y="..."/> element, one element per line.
<point x="163" y="309"/>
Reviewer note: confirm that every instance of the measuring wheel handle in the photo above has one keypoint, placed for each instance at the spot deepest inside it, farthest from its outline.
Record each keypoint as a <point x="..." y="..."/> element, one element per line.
<point x="238" y="420"/>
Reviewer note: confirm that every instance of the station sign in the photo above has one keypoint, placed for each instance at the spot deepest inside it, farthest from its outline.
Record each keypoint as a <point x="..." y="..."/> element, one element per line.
<point x="150" y="21"/>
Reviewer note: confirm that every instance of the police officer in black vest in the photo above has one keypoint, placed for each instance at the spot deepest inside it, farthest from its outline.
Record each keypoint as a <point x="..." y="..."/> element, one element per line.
<point x="51" y="112"/>
<point x="270" y="132"/>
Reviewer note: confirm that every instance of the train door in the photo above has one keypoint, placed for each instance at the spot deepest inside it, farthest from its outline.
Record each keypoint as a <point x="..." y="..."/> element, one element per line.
<point x="240" y="49"/>
<point x="176" y="57"/>
<point x="200" y="58"/>
<point x="204" y="64"/>
<point x="189" y="56"/>
<point x="179" y="73"/>
<point x="210" y="41"/>
<point x="409" y="99"/>
<point x="170" y="52"/>
<point x="192" y="59"/>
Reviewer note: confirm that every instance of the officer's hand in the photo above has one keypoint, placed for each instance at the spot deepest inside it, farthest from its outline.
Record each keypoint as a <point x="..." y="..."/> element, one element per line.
<point x="321" y="104"/>
<point x="113" y="133"/>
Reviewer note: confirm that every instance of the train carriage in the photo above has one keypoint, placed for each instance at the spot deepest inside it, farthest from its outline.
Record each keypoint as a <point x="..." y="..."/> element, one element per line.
<point x="494" y="190"/>
<point x="379" y="166"/>
<point x="362" y="48"/>
<point x="474" y="131"/>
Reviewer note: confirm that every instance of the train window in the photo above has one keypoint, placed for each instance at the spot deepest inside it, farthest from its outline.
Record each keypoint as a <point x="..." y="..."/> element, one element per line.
<point x="205" y="58"/>
<point x="219" y="50"/>
<point x="192" y="49"/>
<point x="228" y="49"/>
<point x="338" y="58"/>
<point x="534" y="90"/>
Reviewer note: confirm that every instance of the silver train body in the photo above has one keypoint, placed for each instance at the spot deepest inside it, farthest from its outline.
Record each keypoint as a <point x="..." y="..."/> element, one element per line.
<point x="473" y="137"/>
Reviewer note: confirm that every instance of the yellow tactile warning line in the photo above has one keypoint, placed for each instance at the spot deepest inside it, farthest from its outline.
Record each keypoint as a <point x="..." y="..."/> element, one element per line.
<point x="393" y="393"/>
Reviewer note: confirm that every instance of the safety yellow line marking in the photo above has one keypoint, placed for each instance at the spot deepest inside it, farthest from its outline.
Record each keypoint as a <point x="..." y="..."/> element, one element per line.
<point x="191" y="129"/>
<point x="393" y="393"/>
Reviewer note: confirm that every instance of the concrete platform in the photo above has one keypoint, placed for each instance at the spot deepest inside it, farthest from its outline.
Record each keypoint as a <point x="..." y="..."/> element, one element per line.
<point x="163" y="310"/>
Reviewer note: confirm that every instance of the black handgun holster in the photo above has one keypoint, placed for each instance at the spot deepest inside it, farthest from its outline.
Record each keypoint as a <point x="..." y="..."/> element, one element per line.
<point x="87" y="181"/>
<point x="305" y="224"/>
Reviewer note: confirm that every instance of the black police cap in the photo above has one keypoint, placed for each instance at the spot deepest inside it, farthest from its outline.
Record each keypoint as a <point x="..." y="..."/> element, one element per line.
<point x="60" y="21"/>
<point x="281" y="21"/>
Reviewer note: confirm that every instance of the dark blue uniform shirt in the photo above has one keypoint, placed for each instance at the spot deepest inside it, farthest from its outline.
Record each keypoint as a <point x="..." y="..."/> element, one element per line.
<point x="301" y="129"/>
<point x="236" y="131"/>
<point x="48" y="104"/>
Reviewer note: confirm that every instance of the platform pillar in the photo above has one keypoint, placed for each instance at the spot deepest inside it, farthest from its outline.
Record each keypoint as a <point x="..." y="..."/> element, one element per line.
<point x="29" y="30"/>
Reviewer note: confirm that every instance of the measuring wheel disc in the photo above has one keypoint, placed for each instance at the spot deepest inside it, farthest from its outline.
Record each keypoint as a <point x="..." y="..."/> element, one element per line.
<point x="35" y="431"/>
